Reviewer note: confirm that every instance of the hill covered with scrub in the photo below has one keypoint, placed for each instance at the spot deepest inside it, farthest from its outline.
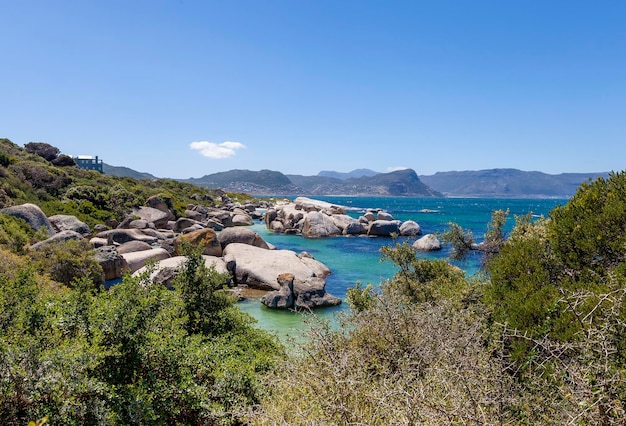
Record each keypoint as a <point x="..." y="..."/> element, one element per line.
<point x="539" y="338"/>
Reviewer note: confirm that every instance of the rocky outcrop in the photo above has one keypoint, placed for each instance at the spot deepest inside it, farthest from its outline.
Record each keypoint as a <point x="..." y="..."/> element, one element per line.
<point x="282" y="298"/>
<point x="259" y="268"/>
<point x="320" y="219"/>
<point x="296" y="294"/>
<point x="159" y="203"/>
<point x="133" y="246"/>
<point x="428" y="242"/>
<point x="311" y="294"/>
<point x="32" y="215"/>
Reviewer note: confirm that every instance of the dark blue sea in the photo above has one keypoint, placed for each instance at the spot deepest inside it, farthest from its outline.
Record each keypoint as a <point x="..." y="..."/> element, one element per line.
<point x="357" y="259"/>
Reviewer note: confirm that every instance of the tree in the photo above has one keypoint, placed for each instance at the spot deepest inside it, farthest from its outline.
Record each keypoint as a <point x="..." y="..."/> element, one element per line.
<point x="42" y="149"/>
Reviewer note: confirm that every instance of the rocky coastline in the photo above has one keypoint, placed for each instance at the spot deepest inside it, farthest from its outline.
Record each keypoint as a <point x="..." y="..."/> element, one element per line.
<point x="152" y="235"/>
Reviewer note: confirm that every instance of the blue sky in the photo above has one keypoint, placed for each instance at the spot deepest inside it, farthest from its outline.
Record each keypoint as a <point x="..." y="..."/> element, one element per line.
<point x="183" y="88"/>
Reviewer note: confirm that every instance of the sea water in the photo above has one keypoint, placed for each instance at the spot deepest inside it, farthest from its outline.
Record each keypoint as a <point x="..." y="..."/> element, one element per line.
<point x="358" y="258"/>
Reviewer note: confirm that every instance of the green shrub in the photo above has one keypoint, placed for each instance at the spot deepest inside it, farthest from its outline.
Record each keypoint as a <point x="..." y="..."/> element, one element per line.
<point x="15" y="234"/>
<point x="68" y="261"/>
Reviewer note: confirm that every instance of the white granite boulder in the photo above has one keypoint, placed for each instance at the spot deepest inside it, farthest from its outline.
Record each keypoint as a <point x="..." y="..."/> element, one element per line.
<point x="428" y="242"/>
<point x="259" y="267"/>
<point x="319" y="225"/>
<point x="410" y="228"/>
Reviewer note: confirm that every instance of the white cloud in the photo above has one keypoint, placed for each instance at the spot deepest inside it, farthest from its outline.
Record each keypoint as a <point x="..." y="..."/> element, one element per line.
<point x="396" y="168"/>
<point x="217" y="150"/>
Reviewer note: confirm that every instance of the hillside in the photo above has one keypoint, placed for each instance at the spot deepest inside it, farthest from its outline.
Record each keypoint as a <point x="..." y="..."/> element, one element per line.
<point x="252" y="182"/>
<point x="267" y="182"/>
<point x="28" y="177"/>
<point x="125" y="172"/>
<point x="507" y="183"/>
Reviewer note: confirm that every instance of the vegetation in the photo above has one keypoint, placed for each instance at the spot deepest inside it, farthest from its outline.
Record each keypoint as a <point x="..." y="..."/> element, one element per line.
<point x="31" y="175"/>
<point x="538" y="338"/>
<point x="132" y="355"/>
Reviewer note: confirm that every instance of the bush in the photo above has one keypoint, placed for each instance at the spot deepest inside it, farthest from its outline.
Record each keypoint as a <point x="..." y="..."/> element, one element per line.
<point x="5" y="161"/>
<point x="64" y="161"/>
<point x="15" y="234"/>
<point x="424" y="280"/>
<point x="43" y="150"/>
<point x="68" y="261"/>
<point x="123" y="356"/>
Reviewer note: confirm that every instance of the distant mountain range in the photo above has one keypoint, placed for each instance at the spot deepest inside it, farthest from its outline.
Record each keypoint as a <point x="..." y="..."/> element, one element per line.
<point x="507" y="183"/>
<point x="125" y="172"/>
<point x="267" y="182"/>
<point x="493" y="183"/>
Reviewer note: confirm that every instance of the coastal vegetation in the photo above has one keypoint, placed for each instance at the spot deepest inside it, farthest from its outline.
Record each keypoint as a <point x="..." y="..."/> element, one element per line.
<point x="538" y="337"/>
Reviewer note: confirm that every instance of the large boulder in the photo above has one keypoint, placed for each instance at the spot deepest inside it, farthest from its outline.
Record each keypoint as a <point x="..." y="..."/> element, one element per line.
<point x="149" y="214"/>
<point x="113" y="264"/>
<point x="428" y="242"/>
<point x="384" y="228"/>
<point x="241" y="235"/>
<point x="121" y="236"/>
<point x="259" y="267"/>
<point x="242" y="220"/>
<point x="62" y="222"/>
<point x="32" y="215"/>
<point x="138" y="259"/>
<point x="205" y="238"/>
<point x="410" y="228"/>
<point x="319" y="225"/>
<point x="57" y="238"/>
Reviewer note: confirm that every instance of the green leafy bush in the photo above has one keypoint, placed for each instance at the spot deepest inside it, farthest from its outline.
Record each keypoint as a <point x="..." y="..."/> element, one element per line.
<point x="15" y="234"/>
<point x="82" y="355"/>
<point x="68" y="261"/>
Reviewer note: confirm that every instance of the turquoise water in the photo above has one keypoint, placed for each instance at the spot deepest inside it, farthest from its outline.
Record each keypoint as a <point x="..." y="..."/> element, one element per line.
<point x="353" y="259"/>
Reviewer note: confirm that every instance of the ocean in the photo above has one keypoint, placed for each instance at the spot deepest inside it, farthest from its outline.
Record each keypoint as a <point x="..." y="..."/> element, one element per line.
<point x="358" y="259"/>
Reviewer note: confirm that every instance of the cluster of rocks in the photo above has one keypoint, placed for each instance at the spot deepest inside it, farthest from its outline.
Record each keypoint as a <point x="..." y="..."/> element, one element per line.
<point x="151" y="234"/>
<point x="319" y="219"/>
